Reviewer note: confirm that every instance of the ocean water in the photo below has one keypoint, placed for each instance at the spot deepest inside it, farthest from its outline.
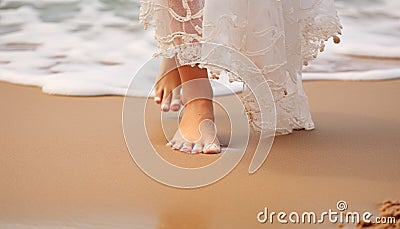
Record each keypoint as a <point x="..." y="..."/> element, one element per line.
<point x="94" y="47"/>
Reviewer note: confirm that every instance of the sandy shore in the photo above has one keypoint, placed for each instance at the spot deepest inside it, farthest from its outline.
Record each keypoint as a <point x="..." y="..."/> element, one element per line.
<point x="64" y="164"/>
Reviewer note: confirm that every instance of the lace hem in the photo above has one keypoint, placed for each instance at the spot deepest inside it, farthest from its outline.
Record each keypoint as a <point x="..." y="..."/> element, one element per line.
<point x="319" y="23"/>
<point x="279" y="37"/>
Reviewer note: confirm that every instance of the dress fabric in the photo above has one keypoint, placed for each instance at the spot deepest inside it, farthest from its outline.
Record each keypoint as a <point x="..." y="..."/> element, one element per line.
<point x="278" y="36"/>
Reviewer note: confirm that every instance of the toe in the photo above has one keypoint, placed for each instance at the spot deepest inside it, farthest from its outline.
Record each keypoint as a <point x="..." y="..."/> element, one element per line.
<point x="175" y="105"/>
<point x="166" y="103"/>
<point x="211" y="148"/>
<point x="177" y="146"/>
<point x="171" y="143"/>
<point x="176" y="100"/>
<point x="198" y="148"/>
<point x="158" y="96"/>
<point x="187" y="147"/>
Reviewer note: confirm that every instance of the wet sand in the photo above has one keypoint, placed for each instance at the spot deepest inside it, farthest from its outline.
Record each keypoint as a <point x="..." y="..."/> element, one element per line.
<point x="64" y="164"/>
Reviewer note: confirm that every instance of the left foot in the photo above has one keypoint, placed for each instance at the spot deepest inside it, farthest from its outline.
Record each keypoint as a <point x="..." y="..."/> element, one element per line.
<point x="167" y="88"/>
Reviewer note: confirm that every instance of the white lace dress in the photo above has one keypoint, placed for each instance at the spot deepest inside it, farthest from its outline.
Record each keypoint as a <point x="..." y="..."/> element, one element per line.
<point x="279" y="36"/>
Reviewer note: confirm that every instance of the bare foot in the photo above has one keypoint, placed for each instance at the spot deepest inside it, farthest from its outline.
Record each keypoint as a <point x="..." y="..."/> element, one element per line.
<point x="197" y="132"/>
<point x="167" y="88"/>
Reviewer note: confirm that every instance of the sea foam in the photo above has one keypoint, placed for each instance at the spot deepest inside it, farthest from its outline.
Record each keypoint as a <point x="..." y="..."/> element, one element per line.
<point x="95" y="47"/>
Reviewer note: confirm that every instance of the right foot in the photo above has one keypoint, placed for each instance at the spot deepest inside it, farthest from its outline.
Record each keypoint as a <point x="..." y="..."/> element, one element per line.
<point x="167" y="88"/>
<point x="197" y="131"/>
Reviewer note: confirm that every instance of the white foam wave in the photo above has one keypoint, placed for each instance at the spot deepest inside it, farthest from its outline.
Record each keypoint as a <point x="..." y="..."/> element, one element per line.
<point x="94" y="47"/>
<point x="383" y="74"/>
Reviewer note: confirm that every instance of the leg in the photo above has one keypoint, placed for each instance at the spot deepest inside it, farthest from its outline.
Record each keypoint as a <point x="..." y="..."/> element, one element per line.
<point x="167" y="87"/>
<point x="183" y="21"/>
<point x="197" y="132"/>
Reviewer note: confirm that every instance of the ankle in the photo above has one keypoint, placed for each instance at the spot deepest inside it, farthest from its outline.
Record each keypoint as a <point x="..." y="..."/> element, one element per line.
<point x="198" y="103"/>
<point x="199" y="89"/>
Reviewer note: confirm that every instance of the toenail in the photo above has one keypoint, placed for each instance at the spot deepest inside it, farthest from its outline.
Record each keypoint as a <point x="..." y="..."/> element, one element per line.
<point x="212" y="147"/>
<point x="164" y="107"/>
<point x="157" y="99"/>
<point x="176" y="102"/>
<point x="186" y="150"/>
<point x="175" y="107"/>
<point x="196" y="151"/>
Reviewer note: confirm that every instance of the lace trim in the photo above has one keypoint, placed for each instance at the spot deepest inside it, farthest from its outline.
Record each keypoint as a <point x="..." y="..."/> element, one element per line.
<point x="317" y="28"/>
<point x="175" y="22"/>
<point x="315" y="24"/>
